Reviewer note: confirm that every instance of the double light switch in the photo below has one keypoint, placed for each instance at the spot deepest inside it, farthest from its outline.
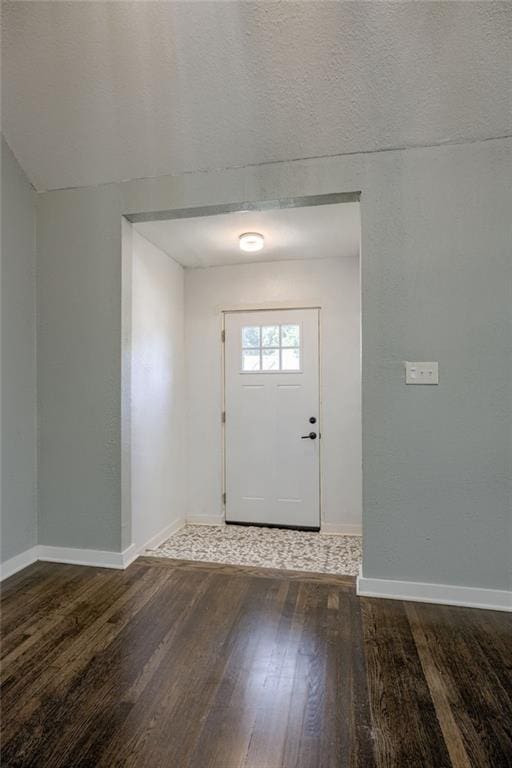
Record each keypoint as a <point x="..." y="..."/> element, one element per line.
<point x="421" y="373"/>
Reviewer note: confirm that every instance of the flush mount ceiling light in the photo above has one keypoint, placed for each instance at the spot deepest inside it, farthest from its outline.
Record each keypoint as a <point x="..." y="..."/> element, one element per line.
<point x="251" y="241"/>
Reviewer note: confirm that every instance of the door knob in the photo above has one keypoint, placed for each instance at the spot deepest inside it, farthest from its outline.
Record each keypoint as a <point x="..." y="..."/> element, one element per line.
<point x="312" y="420"/>
<point x="311" y="436"/>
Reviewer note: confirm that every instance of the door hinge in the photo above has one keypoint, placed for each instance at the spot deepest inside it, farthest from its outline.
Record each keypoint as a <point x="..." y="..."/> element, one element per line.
<point x="223" y="336"/>
<point x="223" y="417"/>
<point x="224" y="499"/>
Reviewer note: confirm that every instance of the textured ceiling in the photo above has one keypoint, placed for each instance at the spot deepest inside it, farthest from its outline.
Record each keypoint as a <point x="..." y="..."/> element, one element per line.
<point x="104" y="91"/>
<point x="322" y="231"/>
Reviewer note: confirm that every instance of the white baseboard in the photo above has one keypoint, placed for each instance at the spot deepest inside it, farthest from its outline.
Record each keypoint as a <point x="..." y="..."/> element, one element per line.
<point x="205" y="520"/>
<point x="69" y="555"/>
<point x="18" y="562"/>
<point x="341" y="529"/>
<point x="162" y="535"/>
<point x="442" y="594"/>
<point x="95" y="557"/>
<point x="130" y="554"/>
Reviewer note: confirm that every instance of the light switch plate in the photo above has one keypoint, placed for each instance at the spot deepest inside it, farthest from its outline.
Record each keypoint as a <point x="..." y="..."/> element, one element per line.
<point x="421" y="373"/>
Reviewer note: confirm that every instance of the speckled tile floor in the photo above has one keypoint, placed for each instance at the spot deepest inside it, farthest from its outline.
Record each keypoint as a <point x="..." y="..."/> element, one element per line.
<point x="265" y="548"/>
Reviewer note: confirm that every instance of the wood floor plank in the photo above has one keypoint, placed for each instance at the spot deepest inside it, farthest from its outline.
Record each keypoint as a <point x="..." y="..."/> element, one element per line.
<point x="27" y="578"/>
<point x="268" y="733"/>
<point x="362" y="741"/>
<point x="75" y="638"/>
<point x="206" y="666"/>
<point x="191" y="667"/>
<point x="439" y="691"/>
<point x="307" y="715"/>
<point x="41" y="621"/>
<point x="34" y="599"/>
<point x="476" y="685"/>
<point x="342" y="581"/>
<point x="399" y="694"/>
<point x="240" y="670"/>
<point x="73" y="628"/>
<point x="52" y="673"/>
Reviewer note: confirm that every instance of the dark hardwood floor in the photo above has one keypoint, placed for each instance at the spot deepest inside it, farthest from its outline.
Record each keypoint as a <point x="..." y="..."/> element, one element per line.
<point x="181" y="665"/>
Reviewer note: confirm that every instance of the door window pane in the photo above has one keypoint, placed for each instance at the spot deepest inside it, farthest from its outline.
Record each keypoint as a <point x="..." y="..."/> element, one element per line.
<point x="290" y="336"/>
<point x="290" y="359"/>
<point x="251" y="360"/>
<point x="270" y="359"/>
<point x="251" y="336"/>
<point x="270" y="336"/>
<point x="268" y="348"/>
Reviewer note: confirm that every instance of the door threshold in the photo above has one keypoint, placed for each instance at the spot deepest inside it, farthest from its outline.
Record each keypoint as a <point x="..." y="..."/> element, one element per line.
<point x="309" y="528"/>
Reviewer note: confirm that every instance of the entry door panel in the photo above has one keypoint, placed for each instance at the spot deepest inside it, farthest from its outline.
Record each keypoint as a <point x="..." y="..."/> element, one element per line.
<point x="272" y="392"/>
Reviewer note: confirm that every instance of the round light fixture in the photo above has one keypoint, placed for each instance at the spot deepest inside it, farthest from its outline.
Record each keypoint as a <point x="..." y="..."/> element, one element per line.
<point x="251" y="242"/>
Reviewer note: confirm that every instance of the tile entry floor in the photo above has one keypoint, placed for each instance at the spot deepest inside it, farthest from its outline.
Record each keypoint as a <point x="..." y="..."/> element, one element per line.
<point x="264" y="548"/>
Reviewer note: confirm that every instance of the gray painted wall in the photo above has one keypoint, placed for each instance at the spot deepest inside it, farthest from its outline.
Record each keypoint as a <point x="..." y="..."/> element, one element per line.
<point x="19" y="422"/>
<point x="79" y="353"/>
<point x="436" y="285"/>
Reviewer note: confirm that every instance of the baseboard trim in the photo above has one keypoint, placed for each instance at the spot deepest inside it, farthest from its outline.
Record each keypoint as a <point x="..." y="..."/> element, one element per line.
<point x="69" y="555"/>
<point x="205" y="520"/>
<point x="162" y="535"/>
<point x="18" y="562"/>
<point x="341" y="529"/>
<point x="440" y="594"/>
<point x="94" y="557"/>
<point x="130" y="554"/>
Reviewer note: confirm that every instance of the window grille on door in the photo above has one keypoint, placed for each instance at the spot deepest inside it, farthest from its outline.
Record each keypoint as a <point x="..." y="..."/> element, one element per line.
<point x="271" y="348"/>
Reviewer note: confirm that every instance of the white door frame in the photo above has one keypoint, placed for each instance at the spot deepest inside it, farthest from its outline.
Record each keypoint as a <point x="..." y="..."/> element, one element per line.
<point x="267" y="307"/>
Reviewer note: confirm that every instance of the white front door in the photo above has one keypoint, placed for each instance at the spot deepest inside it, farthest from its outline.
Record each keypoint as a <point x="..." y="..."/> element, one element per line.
<point x="272" y="426"/>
